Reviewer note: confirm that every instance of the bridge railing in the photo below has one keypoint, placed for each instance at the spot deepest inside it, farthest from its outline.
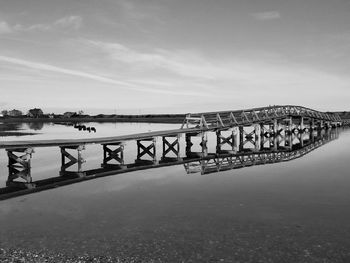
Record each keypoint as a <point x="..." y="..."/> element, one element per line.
<point x="254" y="115"/>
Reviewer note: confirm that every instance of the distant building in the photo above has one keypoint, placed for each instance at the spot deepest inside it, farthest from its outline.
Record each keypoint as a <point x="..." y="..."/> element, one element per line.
<point x="14" y="113"/>
<point x="69" y="114"/>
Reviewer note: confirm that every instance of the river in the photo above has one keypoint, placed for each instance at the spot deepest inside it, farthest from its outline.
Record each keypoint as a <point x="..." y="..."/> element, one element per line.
<point x="294" y="211"/>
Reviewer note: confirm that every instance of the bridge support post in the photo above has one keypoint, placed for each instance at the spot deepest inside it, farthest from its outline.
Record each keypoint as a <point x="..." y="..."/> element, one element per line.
<point x="113" y="152"/>
<point x="301" y="126"/>
<point x="19" y="164"/>
<point x="149" y="150"/>
<point x="320" y="125"/>
<point x="312" y="124"/>
<point x="275" y="128"/>
<point x="275" y="134"/>
<point x="262" y="136"/>
<point x="171" y="147"/>
<point x="301" y="132"/>
<point x="289" y="140"/>
<point x="257" y="142"/>
<point x="72" y="161"/>
<point x="189" y="144"/>
<point x="235" y="133"/>
<point x="327" y="125"/>
<point x="312" y="130"/>
<point x="289" y="134"/>
<point x="301" y="139"/>
<point x="241" y="138"/>
<point x="204" y="143"/>
<point x="265" y="135"/>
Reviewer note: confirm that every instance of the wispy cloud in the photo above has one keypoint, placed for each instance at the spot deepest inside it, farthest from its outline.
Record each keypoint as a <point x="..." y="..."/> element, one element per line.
<point x="121" y="84"/>
<point x="5" y="28"/>
<point x="140" y="11"/>
<point x="198" y="71"/>
<point x="263" y="16"/>
<point x="68" y="22"/>
<point x="181" y="62"/>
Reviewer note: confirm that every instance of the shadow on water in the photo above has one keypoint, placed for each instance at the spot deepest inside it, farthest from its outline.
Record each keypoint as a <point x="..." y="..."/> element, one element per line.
<point x="10" y="126"/>
<point x="15" y="129"/>
<point x="265" y="150"/>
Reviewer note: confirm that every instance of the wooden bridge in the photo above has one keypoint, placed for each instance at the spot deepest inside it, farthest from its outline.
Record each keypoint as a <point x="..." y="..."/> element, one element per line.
<point x="246" y="137"/>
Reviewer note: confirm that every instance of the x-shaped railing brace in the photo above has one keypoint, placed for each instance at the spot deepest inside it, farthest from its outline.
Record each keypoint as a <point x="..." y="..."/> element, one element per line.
<point x="224" y="140"/>
<point x="113" y="154"/>
<point x="248" y="137"/>
<point x="149" y="150"/>
<point x="171" y="146"/>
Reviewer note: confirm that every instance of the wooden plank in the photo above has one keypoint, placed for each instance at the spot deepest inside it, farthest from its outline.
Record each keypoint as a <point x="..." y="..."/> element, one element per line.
<point x="104" y="140"/>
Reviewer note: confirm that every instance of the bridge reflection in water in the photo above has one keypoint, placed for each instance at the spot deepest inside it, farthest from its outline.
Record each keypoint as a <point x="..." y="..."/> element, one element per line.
<point x="291" y="149"/>
<point x="243" y="147"/>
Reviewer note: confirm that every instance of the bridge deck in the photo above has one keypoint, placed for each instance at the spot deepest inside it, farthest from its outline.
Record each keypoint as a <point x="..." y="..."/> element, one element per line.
<point x="104" y="140"/>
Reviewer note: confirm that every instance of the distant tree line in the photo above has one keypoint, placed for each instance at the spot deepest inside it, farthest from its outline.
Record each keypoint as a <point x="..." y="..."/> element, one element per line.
<point x="32" y="113"/>
<point x="38" y="113"/>
<point x="12" y="113"/>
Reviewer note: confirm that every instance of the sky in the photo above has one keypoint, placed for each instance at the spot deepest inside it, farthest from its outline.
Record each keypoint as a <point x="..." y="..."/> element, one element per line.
<point x="174" y="56"/>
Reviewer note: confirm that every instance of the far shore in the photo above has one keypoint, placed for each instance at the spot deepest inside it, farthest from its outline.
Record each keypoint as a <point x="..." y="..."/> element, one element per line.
<point x="158" y="118"/>
<point x="150" y="118"/>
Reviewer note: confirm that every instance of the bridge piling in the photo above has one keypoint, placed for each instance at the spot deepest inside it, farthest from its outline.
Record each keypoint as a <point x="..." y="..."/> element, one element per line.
<point x="146" y="150"/>
<point x="301" y="125"/>
<point x="241" y="138"/>
<point x="320" y="125"/>
<point x="19" y="165"/>
<point x="113" y="152"/>
<point x="235" y="133"/>
<point x="72" y="161"/>
<point x="204" y="143"/>
<point x="301" y="139"/>
<point x="275" y="127"/>
<point x="289" y="134"/>
<point x="257" y="139"/>
<point x="312" y="124"/>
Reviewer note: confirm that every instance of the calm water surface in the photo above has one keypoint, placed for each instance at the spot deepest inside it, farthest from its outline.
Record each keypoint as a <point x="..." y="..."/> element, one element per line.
<point x="295" y="211"/>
